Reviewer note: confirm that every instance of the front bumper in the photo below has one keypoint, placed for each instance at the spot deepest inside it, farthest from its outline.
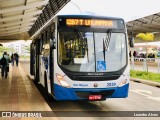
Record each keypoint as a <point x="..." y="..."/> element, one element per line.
<point x="62" y="93"/>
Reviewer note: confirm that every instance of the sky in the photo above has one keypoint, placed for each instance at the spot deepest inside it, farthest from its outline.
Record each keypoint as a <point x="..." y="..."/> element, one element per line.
<point x="126" y="9"/>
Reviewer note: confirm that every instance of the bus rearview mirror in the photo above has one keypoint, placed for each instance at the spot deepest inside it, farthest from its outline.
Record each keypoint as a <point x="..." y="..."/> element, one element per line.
<point x="131" y="42"/>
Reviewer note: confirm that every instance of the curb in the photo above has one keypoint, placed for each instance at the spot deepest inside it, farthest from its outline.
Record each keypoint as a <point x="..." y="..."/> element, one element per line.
<point x="30" y="77"/>
<point x="147" y="82"/>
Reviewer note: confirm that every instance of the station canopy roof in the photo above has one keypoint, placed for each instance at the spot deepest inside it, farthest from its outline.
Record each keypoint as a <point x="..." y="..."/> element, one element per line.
<point x="21" y="18"/>
<point x="149" y="23"/>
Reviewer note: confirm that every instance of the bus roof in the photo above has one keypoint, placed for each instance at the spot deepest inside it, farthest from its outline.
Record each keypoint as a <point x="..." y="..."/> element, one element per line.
<point x="74" y="16"/>
<point x="89" y="16"/>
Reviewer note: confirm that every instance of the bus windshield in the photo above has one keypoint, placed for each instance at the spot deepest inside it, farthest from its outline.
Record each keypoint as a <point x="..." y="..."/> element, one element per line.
<point x="80" y="51"/>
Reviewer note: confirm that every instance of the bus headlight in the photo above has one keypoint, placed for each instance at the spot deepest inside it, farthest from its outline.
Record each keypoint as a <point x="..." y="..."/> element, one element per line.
<point x="123" y="82"/>
<point x="61" y="80"/>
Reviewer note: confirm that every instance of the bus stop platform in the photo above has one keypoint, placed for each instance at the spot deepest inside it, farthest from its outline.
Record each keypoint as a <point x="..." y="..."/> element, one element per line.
<point x="18" y="93"/>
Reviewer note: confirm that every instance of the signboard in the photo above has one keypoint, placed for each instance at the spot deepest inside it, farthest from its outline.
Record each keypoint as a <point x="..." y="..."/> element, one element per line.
<point x="101" y="66"/>
<point x="91" y="22"/>
<point x="94" y="22"/>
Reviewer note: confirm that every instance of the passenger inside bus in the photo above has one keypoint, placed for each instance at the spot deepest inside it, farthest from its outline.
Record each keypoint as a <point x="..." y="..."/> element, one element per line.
<point x="71" y="48"/>
<point x="85" y="53"/>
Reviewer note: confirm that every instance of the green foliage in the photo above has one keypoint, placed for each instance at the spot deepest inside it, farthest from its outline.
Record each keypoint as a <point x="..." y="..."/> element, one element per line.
<point x="3" y="49"/>
<point x="146" y="37"/>
<point x="27" y="48"/>
<point x="146" y="76"/>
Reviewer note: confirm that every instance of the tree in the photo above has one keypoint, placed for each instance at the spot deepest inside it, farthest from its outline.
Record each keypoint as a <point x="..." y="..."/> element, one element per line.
<point x="27" y="49"/>
<point x="146" y="37"/>
<point x="3" y="49"/>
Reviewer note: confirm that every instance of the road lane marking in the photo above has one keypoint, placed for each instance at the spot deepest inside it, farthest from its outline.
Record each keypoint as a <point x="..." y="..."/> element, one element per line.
<point x="142" y="91"/>
<point x="145" y="93"/>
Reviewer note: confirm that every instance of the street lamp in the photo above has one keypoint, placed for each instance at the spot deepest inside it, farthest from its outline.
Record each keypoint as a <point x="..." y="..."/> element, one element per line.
<point x="76" y="6"/>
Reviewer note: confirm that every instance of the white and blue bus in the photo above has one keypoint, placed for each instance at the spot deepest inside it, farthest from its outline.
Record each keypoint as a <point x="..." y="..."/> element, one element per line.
<point x="82" y="57"/>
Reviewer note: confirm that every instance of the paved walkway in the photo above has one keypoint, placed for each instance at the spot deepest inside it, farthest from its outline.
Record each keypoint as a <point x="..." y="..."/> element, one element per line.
<point x="18" y="93"/>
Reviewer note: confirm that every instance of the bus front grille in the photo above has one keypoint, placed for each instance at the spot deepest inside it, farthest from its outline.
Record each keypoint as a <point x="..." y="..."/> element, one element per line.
<point x="94" y="78"/>
<point x="104" y="93"/>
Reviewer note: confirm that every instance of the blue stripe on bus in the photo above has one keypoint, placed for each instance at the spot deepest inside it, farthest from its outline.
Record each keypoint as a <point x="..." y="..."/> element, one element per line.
<point x="121" y="92"/>
<point x="62" y="93"/>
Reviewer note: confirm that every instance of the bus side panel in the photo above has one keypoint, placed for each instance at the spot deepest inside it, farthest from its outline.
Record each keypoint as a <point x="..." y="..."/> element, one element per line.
<point x="48" y="75"/>
<point x="42" y="70"/>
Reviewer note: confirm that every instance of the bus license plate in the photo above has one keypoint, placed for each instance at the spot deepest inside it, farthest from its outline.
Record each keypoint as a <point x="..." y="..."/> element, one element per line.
<point x="95" y="97"/>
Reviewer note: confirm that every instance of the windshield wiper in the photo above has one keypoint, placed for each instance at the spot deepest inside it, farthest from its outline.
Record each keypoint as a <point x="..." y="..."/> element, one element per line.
<point x="106" y="42"/>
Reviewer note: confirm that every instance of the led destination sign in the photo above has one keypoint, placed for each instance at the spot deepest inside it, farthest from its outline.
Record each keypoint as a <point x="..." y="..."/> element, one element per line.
<point x="91" y="22"/>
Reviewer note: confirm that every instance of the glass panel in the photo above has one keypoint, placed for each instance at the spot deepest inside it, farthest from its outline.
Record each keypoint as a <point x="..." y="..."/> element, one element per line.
<point x="76" y="51"/>
<point x="110" y="53"/>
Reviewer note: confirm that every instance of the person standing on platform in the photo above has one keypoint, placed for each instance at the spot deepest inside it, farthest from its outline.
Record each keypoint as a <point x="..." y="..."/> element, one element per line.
<point x="5" y="65"/>
<point x="16" y="56"/>
<point x="12" y="59"/>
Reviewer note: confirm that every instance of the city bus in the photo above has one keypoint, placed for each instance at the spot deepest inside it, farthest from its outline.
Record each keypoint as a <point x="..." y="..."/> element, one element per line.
<point x="82" y="57"/>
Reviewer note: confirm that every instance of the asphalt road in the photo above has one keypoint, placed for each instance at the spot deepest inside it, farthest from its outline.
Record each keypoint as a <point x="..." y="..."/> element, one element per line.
<point x="141" y="98"/>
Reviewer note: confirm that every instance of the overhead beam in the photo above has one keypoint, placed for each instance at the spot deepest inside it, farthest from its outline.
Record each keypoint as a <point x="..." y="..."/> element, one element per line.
<point x="22" y="7"/>
<point x="17" y="32"/>
<point x="12" y="31"/>
<point x="27" y="15"/>
<point x="8" y="2"/>
<point x="15" y="27"/>
<point x="145" y="22"/>
<point x="140" y="30"/>
<point x="25" y="3"/>
<point x="152" y="22"/>
<point x="143" y="28"/>
<point x="13" y="23"/>
<point x="9" y="34"/>
<point x="48" y="12"/>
